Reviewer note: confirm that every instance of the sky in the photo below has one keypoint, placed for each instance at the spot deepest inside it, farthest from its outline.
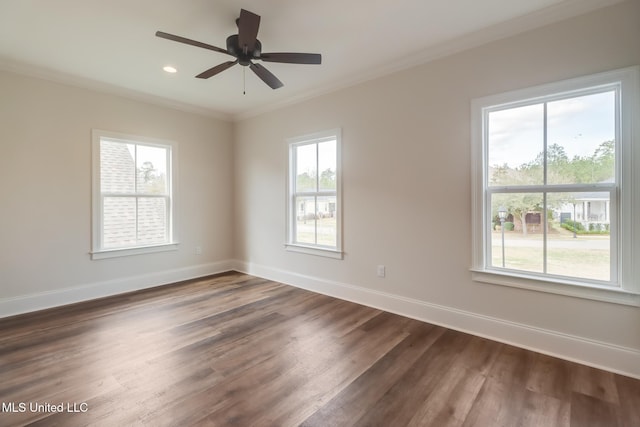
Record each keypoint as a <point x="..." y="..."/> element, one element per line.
<point x="148" y="153"/>
<point x="306" y="157"/>
<point x="579" y="124"/>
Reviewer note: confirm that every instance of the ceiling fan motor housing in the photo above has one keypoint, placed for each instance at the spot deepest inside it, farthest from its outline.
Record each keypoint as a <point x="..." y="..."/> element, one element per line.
<point x="234" y="48"/>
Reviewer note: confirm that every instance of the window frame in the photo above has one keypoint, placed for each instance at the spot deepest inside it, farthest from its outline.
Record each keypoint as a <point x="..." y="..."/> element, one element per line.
<point x="624" y="194"/>
<point x="98" y="251"/>
<point x="291" y="207"/>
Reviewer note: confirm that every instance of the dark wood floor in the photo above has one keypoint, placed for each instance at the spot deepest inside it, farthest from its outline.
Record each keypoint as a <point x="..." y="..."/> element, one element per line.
<point x="241" y="351"/>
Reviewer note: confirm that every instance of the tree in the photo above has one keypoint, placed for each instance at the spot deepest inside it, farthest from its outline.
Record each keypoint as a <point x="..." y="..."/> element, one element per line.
<point x="146" y="172"/>
<point x="599" y="167"/>
<point x="306" y="181"/>
<point x="518" y="205"/>
<point x="604" y="159"/>
<point x="328" y="179"/>
<point x="150" y="180"/>
<point x="558" y="165"/>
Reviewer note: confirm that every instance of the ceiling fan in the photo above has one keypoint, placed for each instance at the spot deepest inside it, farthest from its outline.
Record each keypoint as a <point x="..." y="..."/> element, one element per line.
<point x="246" y="48"/>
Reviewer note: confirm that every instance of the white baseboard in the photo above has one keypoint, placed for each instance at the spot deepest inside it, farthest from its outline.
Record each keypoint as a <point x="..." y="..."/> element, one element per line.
<point x="589" y="352"/>
<point x="610" y="357"/>
<point x="58" y="297"/>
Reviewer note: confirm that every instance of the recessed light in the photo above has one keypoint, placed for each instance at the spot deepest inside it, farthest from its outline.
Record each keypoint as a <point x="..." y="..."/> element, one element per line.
<point x="170" y="69"/>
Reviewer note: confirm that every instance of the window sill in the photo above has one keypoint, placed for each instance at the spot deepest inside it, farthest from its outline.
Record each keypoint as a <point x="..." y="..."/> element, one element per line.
<point x="568" y="288"/>
<point x="140" y="250"/>
<point x="313" y="250"/>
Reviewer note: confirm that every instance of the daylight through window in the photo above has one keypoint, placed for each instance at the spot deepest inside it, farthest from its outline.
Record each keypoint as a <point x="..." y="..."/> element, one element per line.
<point x="314" y="202"/>
<point x="552" y="166"/>
<point x="132" y="194"/>
<point x="550" y="201"/>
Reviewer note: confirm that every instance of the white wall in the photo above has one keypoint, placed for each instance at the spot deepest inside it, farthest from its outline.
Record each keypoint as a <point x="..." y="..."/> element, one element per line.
<point x="406" y="189"/>
<point x="45" y="194"/>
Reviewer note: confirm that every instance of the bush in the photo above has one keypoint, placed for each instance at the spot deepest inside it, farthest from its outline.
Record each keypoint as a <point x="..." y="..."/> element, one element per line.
<point x="574" y="226"/>
<point x="508" y="226"/>
<point x="578" y="228"/>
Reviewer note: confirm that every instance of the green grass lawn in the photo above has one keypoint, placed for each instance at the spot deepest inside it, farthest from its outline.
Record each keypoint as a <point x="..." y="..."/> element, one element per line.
<point x="326" y="229"/>
<point x="585" y="256"/>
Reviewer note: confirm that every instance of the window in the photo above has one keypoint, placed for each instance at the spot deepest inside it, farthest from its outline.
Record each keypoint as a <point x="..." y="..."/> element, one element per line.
<point x="554" y="199"/>
<point x="313" y="207"/>
<point x="132" y="195"/>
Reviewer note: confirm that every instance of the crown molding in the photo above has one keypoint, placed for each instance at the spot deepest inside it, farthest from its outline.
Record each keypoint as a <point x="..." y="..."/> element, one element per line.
<point x="543" y="17"/>
<point x="549" y="15"/>
<point x="54" y="76"/>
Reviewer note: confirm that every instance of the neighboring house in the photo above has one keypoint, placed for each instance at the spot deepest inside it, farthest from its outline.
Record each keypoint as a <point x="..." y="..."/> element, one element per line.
<point x="590" y="209"/>
<point x="326" y="208"/>
<point x="122" y="226"/>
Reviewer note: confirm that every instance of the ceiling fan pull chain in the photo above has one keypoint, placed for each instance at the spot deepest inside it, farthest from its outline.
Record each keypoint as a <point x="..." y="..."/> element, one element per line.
<point x="244" y="80"/>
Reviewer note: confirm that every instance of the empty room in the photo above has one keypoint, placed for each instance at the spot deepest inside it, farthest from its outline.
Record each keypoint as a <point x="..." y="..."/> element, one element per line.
<point x="329" y="213"/>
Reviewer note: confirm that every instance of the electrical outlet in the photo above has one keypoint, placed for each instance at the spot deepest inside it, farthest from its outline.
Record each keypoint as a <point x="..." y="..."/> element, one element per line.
<point x="198" y="250"/>
<point x="382" y="270"/>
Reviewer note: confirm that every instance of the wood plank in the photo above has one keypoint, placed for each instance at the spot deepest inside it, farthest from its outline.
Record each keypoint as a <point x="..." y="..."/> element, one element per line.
<point x="398" y="404"/>
<point x="498" y="404"/>
<point x="596" y="383"/>
<point x="452" y="399"/>
<point x="234" y="349"/>
<point x="512" y="365"/>
<point x="542" y="410"/>
<point x="588" y="411"/>
<point x="320" y="379"/>
<point x="359" y="397"/>
<point x="551" y="376"/>
<point x="629" y="396"/>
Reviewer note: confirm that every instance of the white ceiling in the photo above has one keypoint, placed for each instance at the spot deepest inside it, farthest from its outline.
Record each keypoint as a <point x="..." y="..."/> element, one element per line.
<point x="110" y="44"/>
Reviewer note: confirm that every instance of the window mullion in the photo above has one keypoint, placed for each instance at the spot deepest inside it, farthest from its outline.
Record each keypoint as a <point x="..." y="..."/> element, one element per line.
<point x="315" y="198"/>
<point x="545" y="147"/>
<point x="488" y="248"/>
<point x="315" y="220"/>
<point x="135" y="189"/>
<point x="317" y="168"/>
<point x="101" y="222"/>
<point x="562" y="188"/>
<point x="614" y="233"/>
<point x="136" y="220"/>
<point x="293" y="210"/>
<point x="545" y="180"/>
<point x="544" y="233"/>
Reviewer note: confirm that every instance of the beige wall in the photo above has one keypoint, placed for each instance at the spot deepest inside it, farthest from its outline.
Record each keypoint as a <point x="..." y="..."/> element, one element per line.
<point x="406" y="179"/>
<point x="406" y="192"/>
<point x="45" y="191"/>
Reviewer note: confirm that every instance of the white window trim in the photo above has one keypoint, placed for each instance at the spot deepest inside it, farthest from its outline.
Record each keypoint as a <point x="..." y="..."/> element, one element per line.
<point x="318" y="250"/>
<point x="97" y="252"/>
<point x="628" y="244"/>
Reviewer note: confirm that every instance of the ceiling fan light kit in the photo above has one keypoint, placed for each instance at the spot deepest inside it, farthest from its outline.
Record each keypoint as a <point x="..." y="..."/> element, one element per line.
<point x="246" y="48"/>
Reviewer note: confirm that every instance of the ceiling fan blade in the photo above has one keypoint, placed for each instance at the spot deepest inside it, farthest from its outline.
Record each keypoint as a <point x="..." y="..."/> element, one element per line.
<point x="185" y="40"/>
<point x="217" y="69"/>
<point x="266" y="76"/>
<point x="248" y="25"/>
<point x="292" y="58"/>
